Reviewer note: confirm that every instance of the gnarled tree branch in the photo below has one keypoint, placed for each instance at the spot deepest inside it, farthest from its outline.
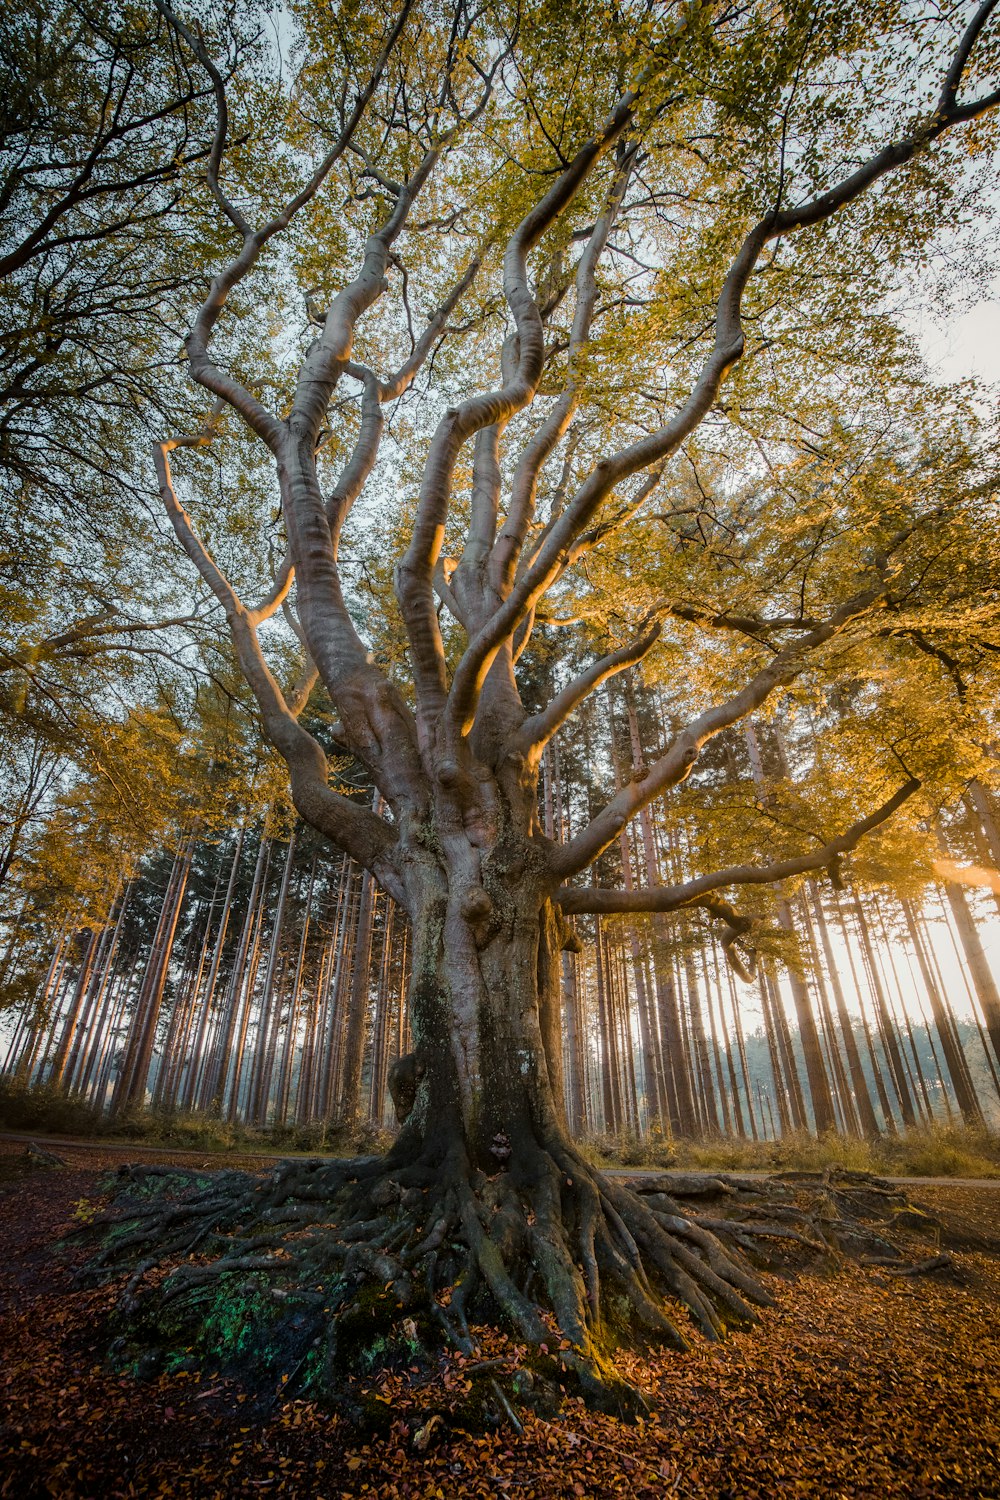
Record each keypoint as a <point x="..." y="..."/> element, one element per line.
<point x="668" y="898"/>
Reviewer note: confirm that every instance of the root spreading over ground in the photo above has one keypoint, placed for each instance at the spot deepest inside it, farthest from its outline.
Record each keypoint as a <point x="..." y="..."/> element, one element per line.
<point x="307" y="1277"/>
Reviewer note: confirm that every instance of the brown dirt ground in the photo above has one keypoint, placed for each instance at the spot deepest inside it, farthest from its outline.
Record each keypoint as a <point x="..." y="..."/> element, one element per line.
<point x="856" y="1384"/>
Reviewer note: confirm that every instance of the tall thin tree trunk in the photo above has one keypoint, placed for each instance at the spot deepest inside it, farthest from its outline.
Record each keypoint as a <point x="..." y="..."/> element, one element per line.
<point x="819" y="1084"/>
<point x="139" y="1049"/>
<point x="838" y="1074"/>
<point x="357" y="1007"/>
<point x="610" y="1076"/>
<point x="975" y="956"/>
<point x="218" y="1071"/>
<point x="259" y="1077"/>
<point x="741" y="1048"/>
<point x="958" y="1067"/>
<point x="887" y="1030"/>
<point x="770" y="1034"/>
<point x="73" y="1016"/>
<point x="194" y="1087"/>
<point x="982" y="806"/>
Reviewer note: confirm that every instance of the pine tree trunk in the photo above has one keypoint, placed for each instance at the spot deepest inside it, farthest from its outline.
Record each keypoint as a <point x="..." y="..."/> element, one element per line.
<point x="887" y="1030"/>
<point x="260" y="1078"/>
<point x="955" y="1059"/>
<point x="218" y="1069"/>
<point x="75" y="1016"/>
<point x="975" y="956"/>
<point x="131" y="1085"/>
<point x="819" y="1084"/>
<point x="841" y="1087"/>
<point x="349" y="1102"/>
<point x="982" y="805"/>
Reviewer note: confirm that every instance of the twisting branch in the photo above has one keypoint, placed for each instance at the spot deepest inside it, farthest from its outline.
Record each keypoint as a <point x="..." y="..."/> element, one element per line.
<point x="522" y="505"/>
<point x="953" y="78"/>
<point x="276" y="595"/>
<point x="366" y="837"/>
<point x="675" y="765"/>
<point x="297" y="696"/>
<point x="101" y="632"/>
<point x="735" y="929"/>
<point x="414" y="583"/>
<point x="584" y="544"/>
<point x="551" y="557"/>
<point x="376" y="393"/>
<point x="668" y="898"/>
<point x="536" y="732"/>
<point x="374" y="711"/>
<point x="202" y="367"/>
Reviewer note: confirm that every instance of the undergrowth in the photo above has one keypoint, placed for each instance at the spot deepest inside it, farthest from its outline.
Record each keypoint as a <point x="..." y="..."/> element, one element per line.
<point x="48" y="1111"/>
<point x="930" y="1151"/>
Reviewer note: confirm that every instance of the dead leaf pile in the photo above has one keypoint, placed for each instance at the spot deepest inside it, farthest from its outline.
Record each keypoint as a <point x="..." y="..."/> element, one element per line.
<point x="855" y="1385"/>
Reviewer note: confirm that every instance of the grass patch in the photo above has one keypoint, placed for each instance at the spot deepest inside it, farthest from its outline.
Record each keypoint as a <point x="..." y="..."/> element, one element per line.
<point x="934" y="1151"/>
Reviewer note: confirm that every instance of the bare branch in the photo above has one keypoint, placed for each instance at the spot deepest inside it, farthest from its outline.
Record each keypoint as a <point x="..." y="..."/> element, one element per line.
<point x="364" y="835"/>
<point x="668" y="898"/>
<point x="952" y="82"/>
<point x="522" y="505"/>
<point x="535" y="733"/>
<point x="203" y="368"/>
<point x="414" y="584"/>
<point x="552" y="555"/>
<point x="675" y="765"/>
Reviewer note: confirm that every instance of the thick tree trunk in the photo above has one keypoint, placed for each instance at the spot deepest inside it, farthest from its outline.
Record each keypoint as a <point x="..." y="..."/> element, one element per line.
<point x="484" y="1196"/>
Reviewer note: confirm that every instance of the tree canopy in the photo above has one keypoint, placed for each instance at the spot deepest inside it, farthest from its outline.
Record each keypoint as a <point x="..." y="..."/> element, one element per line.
<point x="525" y="346"/>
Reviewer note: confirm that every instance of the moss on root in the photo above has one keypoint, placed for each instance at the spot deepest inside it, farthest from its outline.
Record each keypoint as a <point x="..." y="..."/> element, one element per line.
<point x="319" y="1275"/>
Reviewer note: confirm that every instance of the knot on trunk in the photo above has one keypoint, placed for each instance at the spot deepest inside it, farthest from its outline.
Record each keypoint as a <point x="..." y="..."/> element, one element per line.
<point x="404" y="1078"/>
<point x="449" y="773"/>
<point x="477" y="904"/>
<point x="477" y="909"/>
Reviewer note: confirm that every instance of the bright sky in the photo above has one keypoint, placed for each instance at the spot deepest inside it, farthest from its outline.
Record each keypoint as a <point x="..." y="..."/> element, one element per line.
<point x="968" y="344"/>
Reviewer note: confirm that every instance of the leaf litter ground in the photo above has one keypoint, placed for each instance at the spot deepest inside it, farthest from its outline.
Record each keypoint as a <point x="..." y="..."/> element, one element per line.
<point x="856" y="1384"/>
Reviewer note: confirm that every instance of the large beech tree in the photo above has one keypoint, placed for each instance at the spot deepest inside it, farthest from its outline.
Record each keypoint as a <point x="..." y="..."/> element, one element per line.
<point x="534" y="245"/>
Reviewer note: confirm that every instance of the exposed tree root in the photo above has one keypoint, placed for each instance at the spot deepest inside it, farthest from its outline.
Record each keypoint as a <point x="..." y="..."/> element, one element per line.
<point x="310" y="1274"/>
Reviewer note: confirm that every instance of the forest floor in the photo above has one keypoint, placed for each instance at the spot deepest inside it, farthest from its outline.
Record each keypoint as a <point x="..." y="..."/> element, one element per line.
<point x="856" y="1384"/>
